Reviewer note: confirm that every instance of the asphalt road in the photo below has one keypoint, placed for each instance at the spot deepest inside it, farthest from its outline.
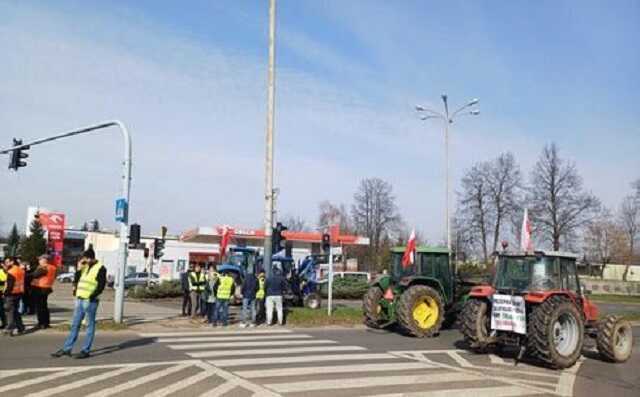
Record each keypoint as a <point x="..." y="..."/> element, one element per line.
<point x="300" y="362"/>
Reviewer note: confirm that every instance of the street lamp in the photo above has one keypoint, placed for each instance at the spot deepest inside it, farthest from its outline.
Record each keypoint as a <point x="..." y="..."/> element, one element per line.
<point x="427" y="114"/>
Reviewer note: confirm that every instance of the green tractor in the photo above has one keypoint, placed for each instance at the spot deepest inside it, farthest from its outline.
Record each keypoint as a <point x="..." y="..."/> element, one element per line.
<point x="419" y="297"/>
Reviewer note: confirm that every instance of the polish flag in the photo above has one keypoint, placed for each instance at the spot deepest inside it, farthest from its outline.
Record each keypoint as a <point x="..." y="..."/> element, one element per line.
<point x="526" y="244"/>
<point x="227" y="232"/>
<point x="409" y="257"/>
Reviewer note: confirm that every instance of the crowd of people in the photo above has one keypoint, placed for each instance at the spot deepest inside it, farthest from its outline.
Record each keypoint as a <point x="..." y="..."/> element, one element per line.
<point x="24" y="290"/>
<point x="207" y="293"/>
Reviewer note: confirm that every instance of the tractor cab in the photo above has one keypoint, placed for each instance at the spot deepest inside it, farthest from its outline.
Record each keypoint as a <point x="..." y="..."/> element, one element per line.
<point x="240" y="261"/>
<point x="431" y="263"/>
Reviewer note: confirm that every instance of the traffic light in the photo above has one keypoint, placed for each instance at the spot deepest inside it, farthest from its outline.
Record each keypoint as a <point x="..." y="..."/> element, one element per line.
<point x="279" y="240"/>
<point x="326" y="242"/>
<point x="17" y="156"/>
<point x="158" y="248"/>
<point x="134" y="235"/>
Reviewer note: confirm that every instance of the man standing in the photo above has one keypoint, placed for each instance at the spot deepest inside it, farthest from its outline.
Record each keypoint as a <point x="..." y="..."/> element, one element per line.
<point x="197" y="283"/>
<point x="3" y="284"/>
<point x="186" y="292"/>
<point x="210" y="292"/>
<point x="13" y="293"/>
<point x="260" y="298"/>
<point x="42" y="279"/>
<point x="275" y="286"/>
<point x="249" y="289"/>
<point x="90" y="281"/>
<point x="225" y="290"/>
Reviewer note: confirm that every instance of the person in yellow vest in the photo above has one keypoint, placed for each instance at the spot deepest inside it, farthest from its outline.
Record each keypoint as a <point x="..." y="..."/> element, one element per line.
<point x="226" y="288"/>
<point x="210" y="292"/>
<point x="90" y="281"/>
<point x="3" y="284"/>
<point x="42" y="279"/>
<point x="14" y="289"/>
<point x="260" y="298"/>
<point x="197" y="282"/>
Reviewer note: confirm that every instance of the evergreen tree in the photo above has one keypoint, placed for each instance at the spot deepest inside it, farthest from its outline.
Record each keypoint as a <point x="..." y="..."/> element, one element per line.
<point x="35" y="245"/>
<point x="13" y="242"/>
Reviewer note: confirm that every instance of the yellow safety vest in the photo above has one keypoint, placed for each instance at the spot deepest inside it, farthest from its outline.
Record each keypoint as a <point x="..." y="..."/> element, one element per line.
<point x="88" y="281"/>
<point x="3" y="282"/>
<point x="196" y="283"/>
<point x="260" y="293"/>
<point x="224" y="288"/>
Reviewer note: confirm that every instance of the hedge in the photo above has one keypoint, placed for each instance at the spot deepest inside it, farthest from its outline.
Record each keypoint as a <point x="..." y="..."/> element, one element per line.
<point x="346" y="288"/>
<point x="166" y="289"/>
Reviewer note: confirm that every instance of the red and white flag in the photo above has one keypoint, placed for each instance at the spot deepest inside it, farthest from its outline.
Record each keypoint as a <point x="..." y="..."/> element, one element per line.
<point x="409" y="257"/>
<point x="526" y="244"/>
<point x="227" y="233"/>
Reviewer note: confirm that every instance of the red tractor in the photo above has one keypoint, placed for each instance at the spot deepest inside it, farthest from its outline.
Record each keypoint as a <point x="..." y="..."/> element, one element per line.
<point x="536" y="303"/>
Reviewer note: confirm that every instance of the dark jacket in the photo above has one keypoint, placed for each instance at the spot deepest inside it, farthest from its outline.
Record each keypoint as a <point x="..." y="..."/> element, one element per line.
<point x="249" y="286"/>
<point x="184" y="281"/>
<point x="102" y="282"/>
<point x="275" y="285"/>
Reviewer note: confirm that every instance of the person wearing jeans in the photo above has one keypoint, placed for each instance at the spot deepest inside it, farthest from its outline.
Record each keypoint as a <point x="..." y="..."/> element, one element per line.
<point x="249" y="289"/>
<point x="223" y="294"/>
<point x="275" y="287"/>
<point x="90" y="281"/>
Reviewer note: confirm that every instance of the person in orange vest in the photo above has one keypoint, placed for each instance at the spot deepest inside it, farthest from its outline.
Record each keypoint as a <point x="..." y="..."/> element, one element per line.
<point x="42" y="279"/>
<point x="14" y="289"/>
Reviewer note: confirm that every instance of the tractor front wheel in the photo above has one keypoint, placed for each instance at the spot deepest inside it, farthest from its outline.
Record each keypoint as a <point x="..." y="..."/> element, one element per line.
<point x="420" y="311"/>
<point x="475" y="324"/>
<point x="556" y="332"/>
<point x="372" y="308"/>
<point x="614" y="339"/>
<point x="313" y="301"/>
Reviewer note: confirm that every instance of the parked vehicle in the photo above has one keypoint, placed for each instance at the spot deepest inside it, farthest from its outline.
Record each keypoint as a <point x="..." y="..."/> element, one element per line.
<point x="417" y="296"/>
<point x="536" y="303"/>
<point x="65" y="277"/>
<point x="141" y="278"/>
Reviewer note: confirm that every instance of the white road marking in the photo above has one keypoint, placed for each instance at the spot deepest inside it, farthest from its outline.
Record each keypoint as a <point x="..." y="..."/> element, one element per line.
<point x="547" y="374"/>
<point x="350" y="383"/>
<point x="257" y="390"/>
<point x="201" y="333"/>
<point x="219" y="390"/>
<point x="459" y="359"/>
<point x="40" y="379"/>
<point x="333" y="369"/>
<point x="567" y="379"/>
<point x="81" y="382"/>
<point x="500" y="391"/>
<point x="198" y="346"/>
<point x="238" y="362"/>
<point x="183" y="383"/>
<point x="497" y="360"/>
<point x="252" y="352"/>
<point x="138" y="381"/>
<point x="232" y="338"/>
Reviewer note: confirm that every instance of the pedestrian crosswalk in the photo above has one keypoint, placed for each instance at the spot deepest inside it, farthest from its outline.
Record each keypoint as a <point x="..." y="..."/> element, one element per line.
<point x="289" y="363"/>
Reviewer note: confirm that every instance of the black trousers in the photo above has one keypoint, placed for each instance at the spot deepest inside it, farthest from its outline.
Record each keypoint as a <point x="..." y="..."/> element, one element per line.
<point x="186" y="303"/>
<point x="3" y="317"/>
<point x="40" y="299"/>
<point x="11" y="306"/>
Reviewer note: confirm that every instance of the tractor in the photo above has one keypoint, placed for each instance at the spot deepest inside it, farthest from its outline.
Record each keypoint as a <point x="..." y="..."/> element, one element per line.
<point x="536" y="303"/>
<point x="302" y="288"/>
<point x="417" y="297"/>
<point x="239" y="262"/>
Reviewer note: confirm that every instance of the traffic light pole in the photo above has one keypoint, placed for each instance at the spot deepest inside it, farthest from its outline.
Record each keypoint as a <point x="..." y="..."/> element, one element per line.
<point x="126" y="185"/>
<point x="330" y="287"/>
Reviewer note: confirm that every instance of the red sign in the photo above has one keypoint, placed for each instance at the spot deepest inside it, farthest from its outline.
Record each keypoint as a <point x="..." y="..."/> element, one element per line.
<point x="53" y="224"/>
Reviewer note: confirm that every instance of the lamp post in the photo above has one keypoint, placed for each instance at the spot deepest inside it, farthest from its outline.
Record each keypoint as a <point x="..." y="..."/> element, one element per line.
<point x="447" y="118"/>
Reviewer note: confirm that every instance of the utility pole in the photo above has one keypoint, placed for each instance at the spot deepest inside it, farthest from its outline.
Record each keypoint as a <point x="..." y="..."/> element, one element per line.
<point x="271" y="93"/>
<point x="122" y="204"/>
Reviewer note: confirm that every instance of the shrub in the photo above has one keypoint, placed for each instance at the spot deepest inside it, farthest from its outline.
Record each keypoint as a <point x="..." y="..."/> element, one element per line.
<point x="346" y="288"/>
<point x="166" y="289"/>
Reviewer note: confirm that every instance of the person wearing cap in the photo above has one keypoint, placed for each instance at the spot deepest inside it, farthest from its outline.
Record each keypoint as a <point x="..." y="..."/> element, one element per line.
<point x="90" y="280"/>
<point x="14" y="290"/>
<point x="42" y="279"/>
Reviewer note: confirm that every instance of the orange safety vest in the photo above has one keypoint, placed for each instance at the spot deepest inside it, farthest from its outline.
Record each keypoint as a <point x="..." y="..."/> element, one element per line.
<point x="47" y="280"/>
<point x="18" y="286"/>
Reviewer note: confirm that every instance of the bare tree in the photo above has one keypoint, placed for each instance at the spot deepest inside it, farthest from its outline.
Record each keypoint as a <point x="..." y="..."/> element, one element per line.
<point x="561" y="206"/>
<point x="295" y="223"/>
<point x="603" y="238"/>
<point x="503" y="183"/>
<point x="474" y="205"/>
<point x="374" y="212"/>
<point x="629" y="218"/>
<point x="331" y="214"/>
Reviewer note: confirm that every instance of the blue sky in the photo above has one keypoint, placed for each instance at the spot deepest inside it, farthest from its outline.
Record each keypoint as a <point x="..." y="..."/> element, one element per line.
<point x="189" y="81"/>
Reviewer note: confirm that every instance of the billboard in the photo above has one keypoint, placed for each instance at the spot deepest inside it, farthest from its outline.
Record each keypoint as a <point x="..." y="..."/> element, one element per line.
<point x="53" y="225"/>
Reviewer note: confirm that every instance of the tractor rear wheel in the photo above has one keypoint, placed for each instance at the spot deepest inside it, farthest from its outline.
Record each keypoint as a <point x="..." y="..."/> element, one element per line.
<point x="475" y="323"/>
<point x="614" y="339"/>
<point x="371" y="306"/>
<point x="420" y="311"/>
<point x="556" y="332"/>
